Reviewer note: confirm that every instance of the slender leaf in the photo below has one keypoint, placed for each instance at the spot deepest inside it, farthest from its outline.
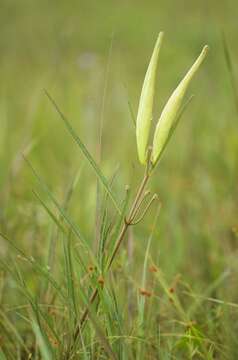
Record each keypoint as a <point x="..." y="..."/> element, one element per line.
<point x="43" y="346"/>
<point x="86" y="153"/>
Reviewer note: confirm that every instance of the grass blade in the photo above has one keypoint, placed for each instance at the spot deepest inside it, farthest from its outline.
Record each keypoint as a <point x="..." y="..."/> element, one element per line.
<point x="13" y="330"/>
<point x="86" y="153"/>
<point x="93" y="317"/>
<point x="43" y="346"/>
<point x="36" y="266"/>
<point x="2" y="356"/>
<point x="66" y="218"/>
<point x="230" y="69"/>
<point x="49" y="212"/>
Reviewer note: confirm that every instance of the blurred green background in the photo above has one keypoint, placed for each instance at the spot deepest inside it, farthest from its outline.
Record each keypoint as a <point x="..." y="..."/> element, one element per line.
<point x="64" y="47"/>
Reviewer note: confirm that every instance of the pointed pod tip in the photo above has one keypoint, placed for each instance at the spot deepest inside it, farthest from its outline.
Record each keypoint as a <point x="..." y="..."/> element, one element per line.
<point x="159" y="40"/>
<point x="160" y="37"/>
<point x="205" y="50"/>
<point x="204" y="53"/>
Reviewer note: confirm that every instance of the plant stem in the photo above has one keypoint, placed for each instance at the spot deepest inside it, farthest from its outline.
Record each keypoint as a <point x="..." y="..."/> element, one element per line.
<point x="127" y="222"/>
<point x="130" y="219"/>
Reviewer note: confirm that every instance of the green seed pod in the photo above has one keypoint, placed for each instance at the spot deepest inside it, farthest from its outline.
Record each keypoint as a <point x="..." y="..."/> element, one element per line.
<point x="168" y="117"/>
<point x="145" y="109"/>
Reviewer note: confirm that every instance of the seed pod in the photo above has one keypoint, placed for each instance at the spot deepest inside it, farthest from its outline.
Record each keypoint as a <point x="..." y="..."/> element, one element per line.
<point x="144" y="115"/>
<point x="168" y="117"/>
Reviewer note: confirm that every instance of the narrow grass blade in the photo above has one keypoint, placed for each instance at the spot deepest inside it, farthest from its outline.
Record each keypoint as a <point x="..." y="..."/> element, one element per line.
<point x="13" y="330"/>
<point x="141" y="308"/>
<point x="39" y="313"/>
<point x="66" y="218"/>
<point x="132" y="113"/>
<point x="49" y="212"/>
<point x="198" y="300"/>
<point x="106" y="226"/>
<point x="86" y="153"/>
<point x="141" y="303"/>
<point x="230" y="69"/>
<point x="69" y="278"/>
<point x="71" y="189"/>
<point x="104" y="231"/>
<point x="36" y="266"/>
<point x="2" y="356"/>
<point x="117" y="229"/>
<point x="175" y="300"/>
<point x="22" y="287"/>
<point x="43" y="346"/>
<point x="93" y="317"/>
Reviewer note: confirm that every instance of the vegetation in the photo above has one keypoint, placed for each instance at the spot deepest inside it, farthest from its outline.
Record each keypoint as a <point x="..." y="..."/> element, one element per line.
<point x="109" y="250"/>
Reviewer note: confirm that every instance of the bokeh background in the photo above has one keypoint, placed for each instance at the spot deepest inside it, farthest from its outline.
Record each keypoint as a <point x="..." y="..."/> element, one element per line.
<point x="91" y="56"/>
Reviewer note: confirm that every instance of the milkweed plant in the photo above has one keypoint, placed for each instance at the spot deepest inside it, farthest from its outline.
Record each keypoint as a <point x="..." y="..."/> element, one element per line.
<point x="150" y="155"/>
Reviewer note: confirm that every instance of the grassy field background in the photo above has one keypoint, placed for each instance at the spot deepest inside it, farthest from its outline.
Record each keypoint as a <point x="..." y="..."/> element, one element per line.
<point x="91" y="57"/>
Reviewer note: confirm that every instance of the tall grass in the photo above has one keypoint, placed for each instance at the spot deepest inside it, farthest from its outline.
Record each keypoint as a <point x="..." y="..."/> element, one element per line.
<point x="72" y="309"/>
<point x="75" y="300"/>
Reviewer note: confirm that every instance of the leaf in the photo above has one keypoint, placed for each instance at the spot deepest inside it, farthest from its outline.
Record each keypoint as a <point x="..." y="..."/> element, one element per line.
<point x="86" y="153"/>
<point x="36" y="266"/>
<point x="2" y="356"/>
<point x="43" y="346"/>
<point x="64" y="216"/>
<point x="230" y="69"/>
<point x="13" y="330"/>
<point x="98" y="329"/>
<point x="49" y="212"/>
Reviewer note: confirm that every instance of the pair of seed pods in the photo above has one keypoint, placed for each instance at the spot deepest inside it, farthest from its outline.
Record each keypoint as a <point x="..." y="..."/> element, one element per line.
<point x="169" y="116"/>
